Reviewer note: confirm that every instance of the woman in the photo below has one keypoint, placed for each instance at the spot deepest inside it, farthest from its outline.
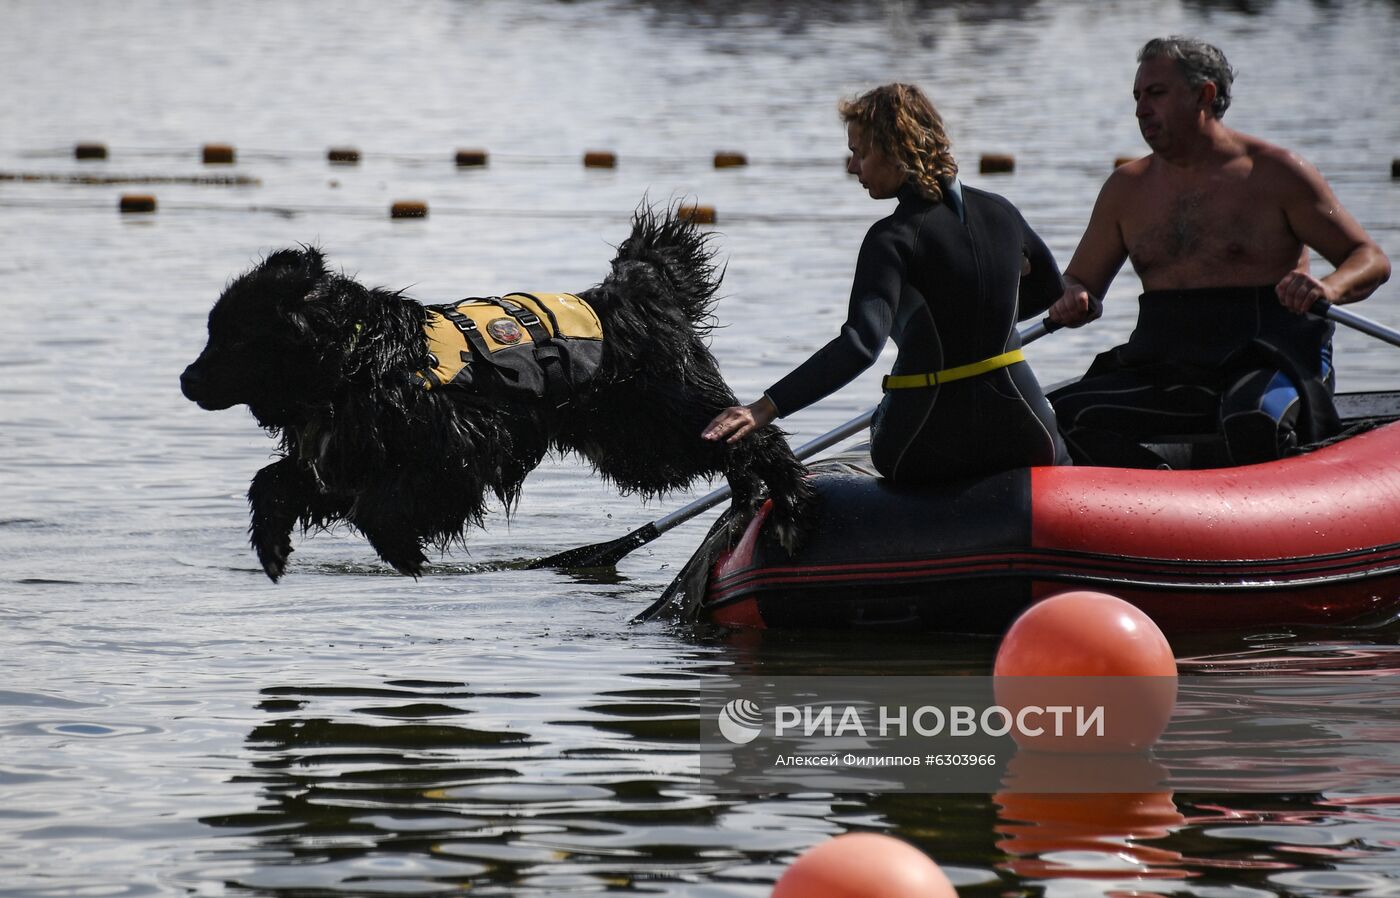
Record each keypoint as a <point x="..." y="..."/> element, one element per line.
<point x="942" y="275"/>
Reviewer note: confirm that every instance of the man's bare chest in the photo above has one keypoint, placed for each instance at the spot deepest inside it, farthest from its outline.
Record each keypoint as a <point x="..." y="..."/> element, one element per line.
<point x="1196" y="224"/>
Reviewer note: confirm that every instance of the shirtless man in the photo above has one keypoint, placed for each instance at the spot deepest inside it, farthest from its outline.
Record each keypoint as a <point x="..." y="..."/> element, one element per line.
<point x="1218" y="225"/>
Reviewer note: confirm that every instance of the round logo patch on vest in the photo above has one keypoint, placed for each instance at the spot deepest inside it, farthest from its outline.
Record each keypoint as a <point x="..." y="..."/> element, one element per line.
<point x="504" y="330"/>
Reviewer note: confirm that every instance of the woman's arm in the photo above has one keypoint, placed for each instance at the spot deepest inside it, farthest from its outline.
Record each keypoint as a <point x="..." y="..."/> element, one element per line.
<point x="1041" y="283"/>
<point x="875" y="291"/>
<point x="879" y="279"/>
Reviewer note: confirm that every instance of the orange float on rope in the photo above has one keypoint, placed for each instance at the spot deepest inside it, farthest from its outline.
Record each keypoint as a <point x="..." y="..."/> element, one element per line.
<point x="1087" y="650"/>
<point x="997" y="163"/>
<point x="863" y="865"/>
<point x="137" y="202"/>
<point x="409" y="209"/>
<point x="470" y="158"/>
<point x="696" y="214"/>
<point x="730" y="160"/>
<point x="343" y="155"/>
<point x="219" y="154"/>
<point x="90" y="151"/>
<point x="599" y="159"/>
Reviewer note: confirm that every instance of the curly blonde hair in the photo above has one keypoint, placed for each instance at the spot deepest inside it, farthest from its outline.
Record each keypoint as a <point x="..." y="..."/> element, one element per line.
<point x="899" y="121"/>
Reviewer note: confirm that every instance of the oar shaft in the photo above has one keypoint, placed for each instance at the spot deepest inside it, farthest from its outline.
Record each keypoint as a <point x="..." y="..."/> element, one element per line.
<point x="1357" y="322"/>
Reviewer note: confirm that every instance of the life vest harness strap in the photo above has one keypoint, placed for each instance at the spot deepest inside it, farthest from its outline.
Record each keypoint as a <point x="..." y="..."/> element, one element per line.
<point x="961" y="372"/>
<point x="521" y="345"/>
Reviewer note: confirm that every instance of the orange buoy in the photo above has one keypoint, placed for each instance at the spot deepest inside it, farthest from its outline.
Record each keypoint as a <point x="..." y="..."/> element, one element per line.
<point x="730" y="160"/>
<point x="696" y="214"/>
<point x="137" y="202"/>
<point x="218" y="154"/>
<point x="863" y="865"/>
<point x="469" y="158"/>
<point x="997" y="163"/>
<point x="90" y="151"/>
<point x="409" y="209"/>
<point x="1086" y="650"/>
<point x="599" y="159"/>
<point x="343" y="155"/>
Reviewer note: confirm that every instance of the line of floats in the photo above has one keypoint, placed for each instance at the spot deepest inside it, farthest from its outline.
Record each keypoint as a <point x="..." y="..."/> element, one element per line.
<point x="227" y="154"/>
<point x="222" y="154"/>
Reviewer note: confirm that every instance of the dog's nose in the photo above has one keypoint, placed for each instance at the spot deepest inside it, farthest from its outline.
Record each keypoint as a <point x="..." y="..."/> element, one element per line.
<point x="190" y="381"/>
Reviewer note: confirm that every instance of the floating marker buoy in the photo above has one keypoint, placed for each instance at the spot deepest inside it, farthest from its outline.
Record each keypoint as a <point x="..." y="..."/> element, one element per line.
<point x="469" y="158"/>
<point x="863" y="865"/>
<point x="218" y="154"/>
<point x="599" y="159"/>
<point x="343" y="155"/>
<point x="1395" y="168"/>
<point x="409" y="209"/>
<point x="996" y="163"/>
<point x="137" y="202"/>
<point x="90" y="151"/>
<point x="1087" y="649"/>
<point x="1123" y="160"/>
<point x="730" y="160"/>
<point x="696" y="214"/>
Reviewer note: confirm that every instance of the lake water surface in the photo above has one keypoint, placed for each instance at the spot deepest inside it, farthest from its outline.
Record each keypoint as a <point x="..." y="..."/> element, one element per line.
<point x="173" y="724"/>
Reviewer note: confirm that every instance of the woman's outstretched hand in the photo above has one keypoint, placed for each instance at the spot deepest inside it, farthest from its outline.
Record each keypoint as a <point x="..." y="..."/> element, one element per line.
<point x="738" y="421"/>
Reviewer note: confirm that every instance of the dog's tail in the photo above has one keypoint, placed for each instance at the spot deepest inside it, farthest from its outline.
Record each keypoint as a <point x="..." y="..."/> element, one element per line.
<point x="666" y="262"/>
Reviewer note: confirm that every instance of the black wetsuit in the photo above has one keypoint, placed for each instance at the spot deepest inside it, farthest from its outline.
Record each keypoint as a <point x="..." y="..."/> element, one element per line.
<point x="946" y="289"/>
<point x="1230" y="362"/>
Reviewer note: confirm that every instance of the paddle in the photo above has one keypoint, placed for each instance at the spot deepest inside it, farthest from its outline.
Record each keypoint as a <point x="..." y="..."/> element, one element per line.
<point x="1324" y="309"/>
<point x="609" y="553"/>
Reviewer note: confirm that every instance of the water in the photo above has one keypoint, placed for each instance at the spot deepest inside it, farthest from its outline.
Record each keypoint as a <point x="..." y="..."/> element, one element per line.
<point x="173" y="724"/>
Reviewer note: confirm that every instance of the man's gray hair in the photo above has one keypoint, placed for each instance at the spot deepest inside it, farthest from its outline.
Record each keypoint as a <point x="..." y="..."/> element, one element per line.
<point x="1199" y="62"/>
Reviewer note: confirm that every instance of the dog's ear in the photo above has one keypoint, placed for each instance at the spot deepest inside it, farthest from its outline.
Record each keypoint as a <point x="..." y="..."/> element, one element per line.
<point x="306" y="264"/>
<point x="302" y="274"/>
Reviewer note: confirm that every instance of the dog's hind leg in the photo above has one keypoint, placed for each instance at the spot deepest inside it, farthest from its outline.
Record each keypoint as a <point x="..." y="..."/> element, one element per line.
<point x="385" y="515"/>
<point x="401" y="549"/>
<point x="765" y="456"/>
<point x="645" y="437"/>
<point x="279" y="495"/>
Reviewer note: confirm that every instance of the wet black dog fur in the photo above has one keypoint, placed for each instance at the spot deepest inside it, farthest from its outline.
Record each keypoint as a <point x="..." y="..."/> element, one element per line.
<point x="326" y="365"/>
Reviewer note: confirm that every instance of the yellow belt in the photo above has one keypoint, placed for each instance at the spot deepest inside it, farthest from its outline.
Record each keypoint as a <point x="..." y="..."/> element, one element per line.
<point x="972" y="369"/>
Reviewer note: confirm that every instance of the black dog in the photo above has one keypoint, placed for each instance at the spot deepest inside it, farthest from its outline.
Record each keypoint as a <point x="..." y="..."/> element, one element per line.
<point x="334" y="369"/>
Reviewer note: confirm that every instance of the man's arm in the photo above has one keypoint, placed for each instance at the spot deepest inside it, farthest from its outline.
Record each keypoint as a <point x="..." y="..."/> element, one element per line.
<point x="1320" y="222"/>
<point x="1096" y="260"/>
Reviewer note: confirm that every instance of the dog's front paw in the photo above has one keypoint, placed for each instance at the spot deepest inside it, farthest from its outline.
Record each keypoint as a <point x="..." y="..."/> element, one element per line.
<point x="273" y="554"/>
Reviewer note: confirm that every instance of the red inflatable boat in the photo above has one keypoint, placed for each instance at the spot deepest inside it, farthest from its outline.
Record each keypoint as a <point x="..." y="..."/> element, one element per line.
<point x="1312" y="539"/>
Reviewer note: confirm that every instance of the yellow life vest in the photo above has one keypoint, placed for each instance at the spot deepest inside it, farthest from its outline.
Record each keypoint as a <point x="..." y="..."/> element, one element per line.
<point x="520" y="345"/>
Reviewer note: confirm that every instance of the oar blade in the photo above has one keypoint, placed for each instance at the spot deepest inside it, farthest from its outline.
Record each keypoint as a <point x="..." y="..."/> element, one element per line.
<point x="599" y="554"/>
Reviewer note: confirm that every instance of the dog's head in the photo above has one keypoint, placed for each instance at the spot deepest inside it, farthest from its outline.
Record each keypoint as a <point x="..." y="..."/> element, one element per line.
<point x="275" y="341"/>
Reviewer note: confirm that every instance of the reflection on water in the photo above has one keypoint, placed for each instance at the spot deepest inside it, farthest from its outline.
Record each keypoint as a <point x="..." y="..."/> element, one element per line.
<point x="1099" y="835"/>
<point x="172" y="724"/>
